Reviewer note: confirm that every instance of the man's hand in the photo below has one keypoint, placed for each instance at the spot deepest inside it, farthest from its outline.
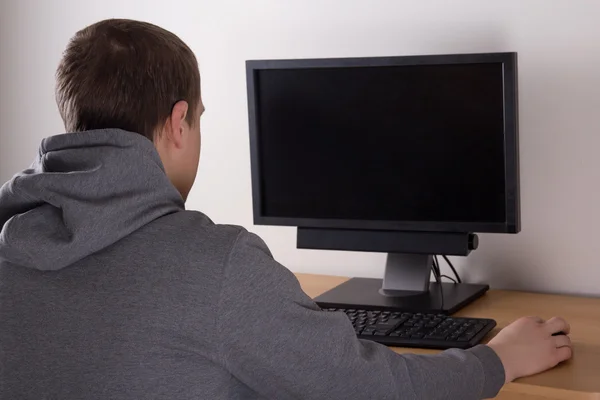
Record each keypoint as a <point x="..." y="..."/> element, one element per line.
<point x="527" y="346"/>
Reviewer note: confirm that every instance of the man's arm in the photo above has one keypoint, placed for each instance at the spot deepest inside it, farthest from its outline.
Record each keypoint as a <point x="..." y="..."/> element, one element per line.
<point x="277" y="341"/>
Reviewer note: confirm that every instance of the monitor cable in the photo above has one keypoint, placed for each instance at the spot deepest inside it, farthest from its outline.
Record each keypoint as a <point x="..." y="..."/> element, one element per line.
<point x="453" y="269"/>
<point x="435" y="267"/>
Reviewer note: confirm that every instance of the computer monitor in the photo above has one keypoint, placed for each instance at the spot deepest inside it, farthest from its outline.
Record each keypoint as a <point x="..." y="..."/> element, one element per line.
<point x="410" y="155"/>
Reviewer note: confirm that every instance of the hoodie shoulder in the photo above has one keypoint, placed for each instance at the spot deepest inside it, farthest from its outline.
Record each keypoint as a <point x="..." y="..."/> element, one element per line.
<point x="193" y="238"/>
<point x="197" y="226"/>
<point x="237" y="251"/>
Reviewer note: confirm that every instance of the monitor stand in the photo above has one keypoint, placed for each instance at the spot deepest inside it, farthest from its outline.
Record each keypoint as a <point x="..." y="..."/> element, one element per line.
<point x="406" y="286"/>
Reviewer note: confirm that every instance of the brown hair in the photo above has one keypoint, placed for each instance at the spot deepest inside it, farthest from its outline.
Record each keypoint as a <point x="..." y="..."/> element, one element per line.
<point x="125" y="74"/>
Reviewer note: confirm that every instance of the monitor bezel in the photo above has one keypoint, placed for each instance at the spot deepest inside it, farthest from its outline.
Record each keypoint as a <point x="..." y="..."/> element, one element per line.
<point x="511" y="147"/>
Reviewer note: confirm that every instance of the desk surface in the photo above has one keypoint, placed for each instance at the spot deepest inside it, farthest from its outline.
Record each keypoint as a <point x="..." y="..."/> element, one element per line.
<point x="576" y="379"/>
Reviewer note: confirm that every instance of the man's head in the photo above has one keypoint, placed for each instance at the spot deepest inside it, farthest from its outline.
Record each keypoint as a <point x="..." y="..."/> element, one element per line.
<point x="137" y="77"/>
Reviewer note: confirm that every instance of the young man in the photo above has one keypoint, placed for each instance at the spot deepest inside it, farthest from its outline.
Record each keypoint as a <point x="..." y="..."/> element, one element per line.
<point x="110" y="289"/>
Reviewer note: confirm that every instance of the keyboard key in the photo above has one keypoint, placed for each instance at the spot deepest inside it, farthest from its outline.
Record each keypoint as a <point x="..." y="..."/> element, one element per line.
<point x="423" y="330"/>
<point x="394" y="321"/>
<point x="436" y="337"/>
<point x="388" y="325"/>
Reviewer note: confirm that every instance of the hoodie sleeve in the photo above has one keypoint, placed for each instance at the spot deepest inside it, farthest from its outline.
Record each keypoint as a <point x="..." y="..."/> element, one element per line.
<point x="276" y="341"/>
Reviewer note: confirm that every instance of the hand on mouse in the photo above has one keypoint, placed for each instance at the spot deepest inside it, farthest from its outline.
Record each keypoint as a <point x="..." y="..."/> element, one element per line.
<point x="531" y="345"/>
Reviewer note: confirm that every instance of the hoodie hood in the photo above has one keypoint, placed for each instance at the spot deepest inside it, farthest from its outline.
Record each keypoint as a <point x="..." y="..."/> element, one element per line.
<point x="84" y="192"/>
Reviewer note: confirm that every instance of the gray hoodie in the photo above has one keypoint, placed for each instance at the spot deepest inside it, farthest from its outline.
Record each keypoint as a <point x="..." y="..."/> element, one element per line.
<point x="109" y="289"/>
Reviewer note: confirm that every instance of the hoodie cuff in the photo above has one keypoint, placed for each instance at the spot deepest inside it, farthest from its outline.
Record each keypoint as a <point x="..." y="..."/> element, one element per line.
<point x="493" y="370"/>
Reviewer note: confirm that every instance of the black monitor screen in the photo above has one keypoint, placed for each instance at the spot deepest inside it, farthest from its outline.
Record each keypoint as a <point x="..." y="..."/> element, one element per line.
<point x="392" y="143"/>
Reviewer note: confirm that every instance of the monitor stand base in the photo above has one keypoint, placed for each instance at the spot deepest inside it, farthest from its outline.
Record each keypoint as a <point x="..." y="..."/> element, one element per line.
<point x="366" y="293"/>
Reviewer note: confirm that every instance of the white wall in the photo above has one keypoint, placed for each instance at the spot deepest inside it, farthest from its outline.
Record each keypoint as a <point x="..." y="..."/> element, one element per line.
<point x="559" y="48"/>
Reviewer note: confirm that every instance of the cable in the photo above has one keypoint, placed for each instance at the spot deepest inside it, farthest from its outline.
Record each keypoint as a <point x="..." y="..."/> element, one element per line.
<point x="449" y="278"/>
<point x="436" y="268"/>
<point x="453" y="269"/>
<point x="438" y="278"/>
<point x="436" y="261"/>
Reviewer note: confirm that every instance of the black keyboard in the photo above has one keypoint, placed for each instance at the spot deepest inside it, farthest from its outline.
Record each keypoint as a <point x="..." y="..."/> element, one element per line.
<point x="434" y="331"/>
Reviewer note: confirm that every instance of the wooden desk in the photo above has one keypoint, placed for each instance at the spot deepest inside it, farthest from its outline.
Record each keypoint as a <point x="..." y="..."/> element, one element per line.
<point x="578" y="379"/>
